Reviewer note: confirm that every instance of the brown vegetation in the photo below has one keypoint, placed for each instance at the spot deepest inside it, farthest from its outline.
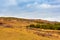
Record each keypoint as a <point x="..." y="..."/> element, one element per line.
<point x="18" y="29"/>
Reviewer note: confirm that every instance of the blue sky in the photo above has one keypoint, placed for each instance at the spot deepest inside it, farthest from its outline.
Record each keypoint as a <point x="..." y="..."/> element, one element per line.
<point x="43" y="9"/>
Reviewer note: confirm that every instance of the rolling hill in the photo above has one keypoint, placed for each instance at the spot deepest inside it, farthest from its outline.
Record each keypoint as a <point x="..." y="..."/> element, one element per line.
<point x="12" y="28"/>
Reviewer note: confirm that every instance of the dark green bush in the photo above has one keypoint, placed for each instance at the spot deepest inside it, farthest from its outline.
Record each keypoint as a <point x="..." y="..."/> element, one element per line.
<point x="45" y="26"/>
<point x="37" y="26"/>
<point x="32" y="25"/>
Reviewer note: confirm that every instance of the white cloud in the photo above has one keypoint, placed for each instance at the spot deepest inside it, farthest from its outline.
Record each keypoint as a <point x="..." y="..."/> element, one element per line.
<point x="37" y="5"/>
<point x="44" y="6"/>
<point x="12" y="2"/>
<point x="49" y="6"/>
<point x="7" y="3"/>
<point x="51" y="19"/>
<point x="29" y="6"/>
<point x="24" y="0"/>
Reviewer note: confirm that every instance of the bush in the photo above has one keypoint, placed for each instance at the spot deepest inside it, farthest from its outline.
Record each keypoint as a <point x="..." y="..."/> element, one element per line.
<point x="37" y="26"/>
<point x="32" y="25"/>
<point x="45" y="26"/>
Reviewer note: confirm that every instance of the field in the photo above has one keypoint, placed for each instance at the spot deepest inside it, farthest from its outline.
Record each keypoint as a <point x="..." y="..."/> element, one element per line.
<point x="11" y="29"/>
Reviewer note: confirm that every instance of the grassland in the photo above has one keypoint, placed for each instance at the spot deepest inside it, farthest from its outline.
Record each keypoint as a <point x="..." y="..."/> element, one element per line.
<point x="15" y="29"/>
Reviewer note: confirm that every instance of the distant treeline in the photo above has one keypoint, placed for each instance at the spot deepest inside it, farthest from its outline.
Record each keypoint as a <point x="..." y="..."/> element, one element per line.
<point x="55" y="26"/>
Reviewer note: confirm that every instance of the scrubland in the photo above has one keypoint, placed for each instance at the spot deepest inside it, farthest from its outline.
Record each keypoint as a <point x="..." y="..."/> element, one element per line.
<point x="16" y="29"/>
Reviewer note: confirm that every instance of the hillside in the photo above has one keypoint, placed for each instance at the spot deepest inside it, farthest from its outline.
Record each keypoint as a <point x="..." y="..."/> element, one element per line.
<point x="23" y="22"/>
<point x="16" y="29"/>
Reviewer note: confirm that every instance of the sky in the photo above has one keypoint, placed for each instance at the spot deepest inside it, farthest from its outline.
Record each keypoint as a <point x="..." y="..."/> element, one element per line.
<point x="32" y="9"/>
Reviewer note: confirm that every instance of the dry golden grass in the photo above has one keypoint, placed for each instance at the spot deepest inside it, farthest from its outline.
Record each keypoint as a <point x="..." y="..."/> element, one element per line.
<point x="21" y="34"/>
<point x="17" y="34"/>
<point x="16" y="30"/>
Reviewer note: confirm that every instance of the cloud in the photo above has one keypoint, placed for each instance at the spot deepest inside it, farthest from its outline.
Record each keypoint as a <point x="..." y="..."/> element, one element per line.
<point x="43" y="5"/>
<point x="6" y="3"/>
<point x="12" y="2"/>
<point x="49" y="6"/>
<point x="51" y="19"/>
<point x="31" y="8"/>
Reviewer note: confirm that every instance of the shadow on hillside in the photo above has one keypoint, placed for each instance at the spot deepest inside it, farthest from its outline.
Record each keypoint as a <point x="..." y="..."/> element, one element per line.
<point x="5" y="25"/>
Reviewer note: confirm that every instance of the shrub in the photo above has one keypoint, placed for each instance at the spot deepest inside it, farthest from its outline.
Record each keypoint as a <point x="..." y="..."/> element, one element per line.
<point x="45" y="26"/>
<point x="37" y="26"/>
<point x="33" y="26"/>
<point x="30" y="26"/>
